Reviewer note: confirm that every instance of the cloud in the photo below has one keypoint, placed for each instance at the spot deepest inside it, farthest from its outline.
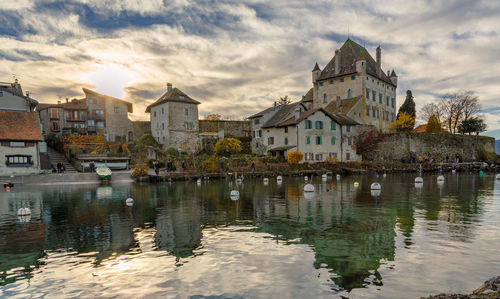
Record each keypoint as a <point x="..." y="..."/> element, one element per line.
<point x="238" y="57"/>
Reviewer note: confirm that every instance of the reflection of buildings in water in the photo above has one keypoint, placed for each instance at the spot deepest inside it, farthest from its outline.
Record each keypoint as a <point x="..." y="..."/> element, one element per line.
<point x="351" y="242"/>
<point x="122" y="233"/>
<point x="178" y="228"/>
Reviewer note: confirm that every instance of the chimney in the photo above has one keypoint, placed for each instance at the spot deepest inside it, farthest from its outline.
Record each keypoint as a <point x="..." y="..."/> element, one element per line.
<point x="337" y="61"/>
<point x="275" y="104"/>
<point x="169" y="86"/>
<point x="379" y="56"/>
<point x="58" y="102"/>
<point x="27" y="94"/>
<point x="67" y="100"/>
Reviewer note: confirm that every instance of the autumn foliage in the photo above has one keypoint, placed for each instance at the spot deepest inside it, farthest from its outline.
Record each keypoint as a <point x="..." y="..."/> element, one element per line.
<point x="433" y="125"/>
<point x="404" y="123"/>
<point x="368" y="141"/>
<point x="227" y="146"/>
<point x="295" y="157"/>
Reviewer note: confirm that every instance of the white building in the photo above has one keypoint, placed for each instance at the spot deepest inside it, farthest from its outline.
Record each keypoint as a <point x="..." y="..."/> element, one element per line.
<point x="174" y="120"/>
<point x="315" y="133"/>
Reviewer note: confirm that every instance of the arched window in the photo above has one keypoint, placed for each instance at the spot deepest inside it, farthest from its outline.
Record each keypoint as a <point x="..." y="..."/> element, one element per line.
<point x="349" y="93"/>
<point x="325" y="98"/>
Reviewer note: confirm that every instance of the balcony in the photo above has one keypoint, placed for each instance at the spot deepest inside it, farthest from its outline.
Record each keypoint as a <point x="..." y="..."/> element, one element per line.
<point x="74" y="119"/>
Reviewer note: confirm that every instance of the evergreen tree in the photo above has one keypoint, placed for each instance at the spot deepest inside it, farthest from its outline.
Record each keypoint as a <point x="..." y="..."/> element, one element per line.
<point x="433" y="125"/>
<point x="408" y="106"/>
<point x="472" y="125"/>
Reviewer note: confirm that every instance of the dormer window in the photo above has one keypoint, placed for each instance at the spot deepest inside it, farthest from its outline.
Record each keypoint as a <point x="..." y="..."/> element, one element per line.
<point x="181" y="97"/>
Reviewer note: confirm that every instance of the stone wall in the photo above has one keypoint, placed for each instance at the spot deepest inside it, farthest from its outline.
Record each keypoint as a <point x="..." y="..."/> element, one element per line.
<point x="405" y="147"/>
<point x="232" y="128"/>
<point x="139" y="128"/>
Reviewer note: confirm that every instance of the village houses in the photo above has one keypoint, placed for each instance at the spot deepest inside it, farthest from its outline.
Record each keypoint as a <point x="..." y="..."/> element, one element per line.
<point x="20" y="135"/>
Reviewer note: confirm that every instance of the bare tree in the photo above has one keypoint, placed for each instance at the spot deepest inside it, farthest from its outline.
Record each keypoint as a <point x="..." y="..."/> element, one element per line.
<point x="429" y="110"/>
<point x="456" y="107"/>
<point x="470" y="104"/>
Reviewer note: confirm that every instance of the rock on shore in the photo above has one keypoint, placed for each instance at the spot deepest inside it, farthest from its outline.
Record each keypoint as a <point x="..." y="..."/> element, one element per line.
<point x="489" y="289"/>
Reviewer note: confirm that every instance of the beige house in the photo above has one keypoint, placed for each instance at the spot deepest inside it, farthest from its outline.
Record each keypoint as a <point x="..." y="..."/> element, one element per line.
<point x="13" y="99"/>
<point x="70" y="117"/>
<point x="174" y="120"/>
<point x="315" y="133"/>
<point x="353" y="84"/>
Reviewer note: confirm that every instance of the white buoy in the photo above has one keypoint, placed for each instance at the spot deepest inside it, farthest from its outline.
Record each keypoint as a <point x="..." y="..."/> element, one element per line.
<point x="238" y="181"/>
<point x="384" y="175"/>
<point x="440" y="178"/>
<point x="279" y="180"/>
<point x="440" y="184"/>
<point x="266" y="181"/>
<point x="309" y="195"/>
<point x="198" y="181"/>
<point x="375" y="193"/>
<point x="324" y="177"/>
<point x="129" y="201"/>
<point x="24" y="219"/>
<point x="419" y="180"/>
<point x="419" y="185"/>
<point x="356" y="184"/>
<point x="306" y="178"/>
<point x="497" y="177"/>
<point x="23" y="211"/>
<point x="309" y="188"/>
<point x="375" y="186"/>
<point x="453" y="171"/>
<point x="338" y="177"/>
<point x="235" y="195"/>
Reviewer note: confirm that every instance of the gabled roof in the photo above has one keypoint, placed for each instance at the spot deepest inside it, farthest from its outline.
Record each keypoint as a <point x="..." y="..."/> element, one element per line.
<point x="20" y="126"/>
<point x="74" y="104"/>
<point x="174" y="95"/>
<point x="345" y="106"/>
<point x="291" y="120"/>
<point x="103" y="96"/>
<point x="309" y="96"/>
<point x="349" y="53"/>
<point x="261" y="113"/>
<point x="286" y="111"/>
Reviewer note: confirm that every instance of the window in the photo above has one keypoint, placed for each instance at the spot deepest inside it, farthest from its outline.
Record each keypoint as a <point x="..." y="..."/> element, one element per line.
<point x="253" y="134"/>
<point x="286" y="129"/>
<point x="270" y="140"/>
<point x="387" y="100"/>
<point x="380" y="98"/>
<point x="189" y="125"/>
<point x="333" y="155"/>
<point x="53" y="113"/>
<point x="99" y="112"/>
<point x="393" y="102"/>
<point x="90" y="123"/>
<point x="162" y="110"/>
<point x="378" y="114"/>
<point x="373" y="111"/>
<point x="318" y="140"/>
<point x="331" y="81"/>
<point x="342" y="80"/>
<point x="259" y="133"/>
<point x="163" y="138"/>
<point x="163" y="126"/>
<point x="308" y="140"/>
<point x="319" y="157"/>
<point x="54" y="125"/>
<point x="368" y="93"/>
<point x="353" y="77"/>
<point x="154" y="114"/>
<point x="325" y="98"/>
<point x="1" y="93"/>
<point x="392" y="116"/>
<point x="374" y="95"/>
<point x="349" y="141"/>
<point x="349" y="93"/>
<point x="100" y="124"/>
<point x="286" y="141"/>
<point x="117" y="110"/>
<point x="333" y="140"/>
<point x="321" y="84"/>
<point x="309" y="124"/>
<point x="309" y="156"/>
<point x="186" y="111"/>
<point x="348" y="128"/>
<point x="82" y="126"/>
<point x="348" y="156"/>
<point x="333" y="125"/>
<point x="91" y="101"/>
<point x="368" y="110"/>
<point x="18" y="160"/>
<point x="17" y="144"/>
<point x="319" y="125"/>
<point x="256" y="121"/>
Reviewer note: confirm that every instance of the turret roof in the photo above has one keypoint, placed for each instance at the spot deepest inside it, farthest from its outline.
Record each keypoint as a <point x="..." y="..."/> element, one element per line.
<point x="173" y="95"/>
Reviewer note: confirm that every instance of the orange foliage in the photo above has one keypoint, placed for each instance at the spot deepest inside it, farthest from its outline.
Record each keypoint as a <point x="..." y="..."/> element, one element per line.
<point x="83" y="141"/>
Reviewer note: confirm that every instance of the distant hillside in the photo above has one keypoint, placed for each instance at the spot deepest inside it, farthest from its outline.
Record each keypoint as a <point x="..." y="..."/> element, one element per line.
<point x="497" y="147"/>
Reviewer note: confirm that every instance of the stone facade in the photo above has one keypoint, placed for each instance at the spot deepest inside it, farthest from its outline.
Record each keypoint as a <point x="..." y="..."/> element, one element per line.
<point x="69" y="117"/>
<point x="229" y="128"/>
<point x="354" y="74"/>
<point x="408" y="147"/>
<point x="28" y="148"/>
<point x="174" y="120"/>
<point x="139" y="128"/>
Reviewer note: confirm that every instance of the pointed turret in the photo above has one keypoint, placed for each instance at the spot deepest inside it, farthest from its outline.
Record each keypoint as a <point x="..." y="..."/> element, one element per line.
<point x="394" y="78"/>
<point x="316" y="72"/>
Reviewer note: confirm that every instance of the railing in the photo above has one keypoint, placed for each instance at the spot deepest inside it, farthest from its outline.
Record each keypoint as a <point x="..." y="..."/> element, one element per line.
<point x="74" y="119"/>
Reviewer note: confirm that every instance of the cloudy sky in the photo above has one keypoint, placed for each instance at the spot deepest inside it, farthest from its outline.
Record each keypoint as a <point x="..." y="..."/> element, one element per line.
<point x="237" y="57"/>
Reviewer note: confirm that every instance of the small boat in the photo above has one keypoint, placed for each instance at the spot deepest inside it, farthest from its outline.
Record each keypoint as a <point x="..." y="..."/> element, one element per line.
<point x="104" y="173"/>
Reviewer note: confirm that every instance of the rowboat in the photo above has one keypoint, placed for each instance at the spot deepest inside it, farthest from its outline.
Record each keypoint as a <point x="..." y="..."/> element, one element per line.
<point x="104" y="173"/>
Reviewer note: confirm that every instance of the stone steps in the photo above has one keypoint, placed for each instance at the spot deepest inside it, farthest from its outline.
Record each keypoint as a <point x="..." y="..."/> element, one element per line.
<point x="56" y="157"/>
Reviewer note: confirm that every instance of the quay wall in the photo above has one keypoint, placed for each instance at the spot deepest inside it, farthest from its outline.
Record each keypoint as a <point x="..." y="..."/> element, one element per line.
<point x="405" y="147"/>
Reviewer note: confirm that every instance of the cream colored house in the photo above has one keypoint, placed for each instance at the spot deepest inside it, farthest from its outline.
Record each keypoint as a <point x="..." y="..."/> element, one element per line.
<point x="353" y="84"/>
<point x="315" y="133"/>
<point x="174" y="120"/>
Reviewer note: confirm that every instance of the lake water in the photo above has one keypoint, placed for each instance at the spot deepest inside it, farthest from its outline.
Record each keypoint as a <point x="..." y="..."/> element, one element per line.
<point x="186" y="240"/>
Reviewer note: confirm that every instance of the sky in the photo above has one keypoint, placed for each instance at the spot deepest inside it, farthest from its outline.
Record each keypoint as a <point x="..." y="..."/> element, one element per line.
<point x="238" y="57"/>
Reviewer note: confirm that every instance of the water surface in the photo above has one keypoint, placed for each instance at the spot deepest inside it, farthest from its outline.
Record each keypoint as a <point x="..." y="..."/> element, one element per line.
<point x="186" y="240"/>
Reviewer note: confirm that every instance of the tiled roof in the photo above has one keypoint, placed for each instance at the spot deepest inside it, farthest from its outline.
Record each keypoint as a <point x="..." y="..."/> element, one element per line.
<point x="291" y="120"/>
<point x="19" y="126"/>
<point x="345" y="106"/>
<point x="96" y="94"/>
<point x="74" y="104"/>
<point x="258" y="114"/>
<point x="349" y="53"/>
<point x="309" y="96"/>
<point x="285" y="112"/>
<point x="174" y="95"/>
